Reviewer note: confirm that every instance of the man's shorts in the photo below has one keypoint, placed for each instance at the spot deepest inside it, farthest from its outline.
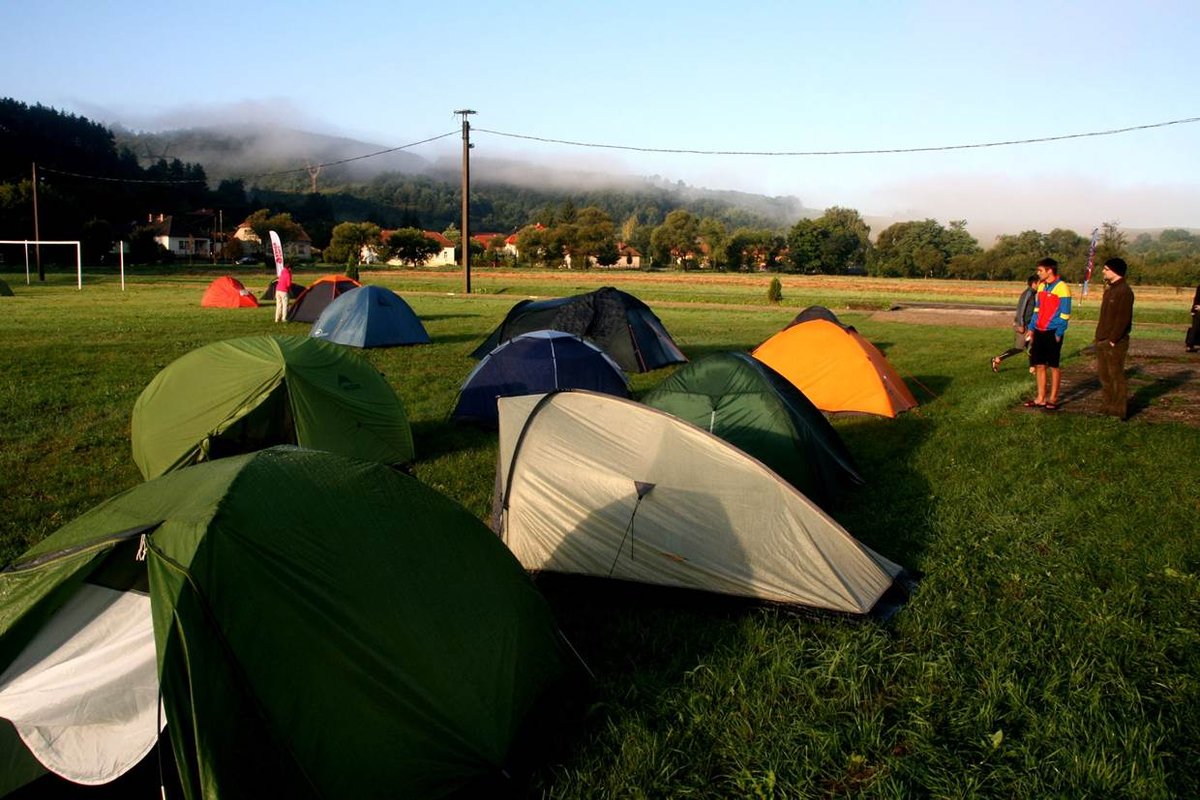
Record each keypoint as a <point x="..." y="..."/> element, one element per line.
<point x="1045" y="350"/>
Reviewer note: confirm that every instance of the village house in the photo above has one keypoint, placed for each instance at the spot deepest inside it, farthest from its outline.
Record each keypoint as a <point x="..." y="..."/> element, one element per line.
<point x="186" y="237"/>
<point x="300" y="248"/>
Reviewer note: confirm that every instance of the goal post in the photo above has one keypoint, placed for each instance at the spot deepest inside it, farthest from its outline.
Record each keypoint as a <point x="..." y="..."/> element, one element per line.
<point x="39" y="243"/>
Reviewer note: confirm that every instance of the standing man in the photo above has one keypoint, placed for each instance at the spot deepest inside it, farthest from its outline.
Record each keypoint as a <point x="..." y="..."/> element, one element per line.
<point x="1051" y="315"/>
<point x="1112" y="337"/>
<point x="1193" y="334"/>
<point x="283" y="289"/>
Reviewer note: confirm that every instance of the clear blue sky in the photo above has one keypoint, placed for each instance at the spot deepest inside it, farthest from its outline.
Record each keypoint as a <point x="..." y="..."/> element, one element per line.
<point x="750" y="76"/>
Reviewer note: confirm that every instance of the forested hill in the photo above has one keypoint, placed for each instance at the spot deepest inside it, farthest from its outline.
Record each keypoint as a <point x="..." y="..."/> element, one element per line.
<point x="398" y="188"/>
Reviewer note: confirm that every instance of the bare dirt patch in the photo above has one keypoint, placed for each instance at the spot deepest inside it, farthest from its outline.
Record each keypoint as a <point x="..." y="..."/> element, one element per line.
<point x="1164" y="379"/>
<point x="1164" y="383"/>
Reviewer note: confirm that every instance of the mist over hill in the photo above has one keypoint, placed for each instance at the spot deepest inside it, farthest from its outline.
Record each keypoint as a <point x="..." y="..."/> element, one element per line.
<point x="272" y="159"/>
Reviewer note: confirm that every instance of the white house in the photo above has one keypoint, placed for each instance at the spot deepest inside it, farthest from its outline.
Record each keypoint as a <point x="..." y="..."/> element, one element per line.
<point x="444" y="257"/>
<point x="301" y="247"/>
<point x="183" y="237"/>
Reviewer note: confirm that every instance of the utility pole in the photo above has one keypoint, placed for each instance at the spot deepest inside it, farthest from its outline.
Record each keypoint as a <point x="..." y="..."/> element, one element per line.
<point x="466" y="198"/>
<point x="37" y="238"/>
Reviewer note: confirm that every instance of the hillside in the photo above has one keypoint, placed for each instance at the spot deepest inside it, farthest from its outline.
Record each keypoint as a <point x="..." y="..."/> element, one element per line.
<point x="392" y="187"/>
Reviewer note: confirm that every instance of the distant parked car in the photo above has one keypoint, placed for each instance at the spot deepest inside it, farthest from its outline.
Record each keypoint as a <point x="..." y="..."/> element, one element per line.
<point x="249" y="260"/>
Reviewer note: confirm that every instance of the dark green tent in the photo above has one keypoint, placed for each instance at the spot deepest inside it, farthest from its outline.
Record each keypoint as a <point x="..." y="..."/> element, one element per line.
<point x="244" y="394"/>
<point x="754" y="408"/>
<point x="5" y="291"/>
<point x="321" y="627"/>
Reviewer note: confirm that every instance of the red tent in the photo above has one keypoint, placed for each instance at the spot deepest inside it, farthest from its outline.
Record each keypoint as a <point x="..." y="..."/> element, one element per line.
<point x="228" y="292"/>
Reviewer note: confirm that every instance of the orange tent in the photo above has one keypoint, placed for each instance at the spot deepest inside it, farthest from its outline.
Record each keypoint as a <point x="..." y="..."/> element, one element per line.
<point x="836" y="368"/>
<point x="319" y="294"/>
<point x="228" y="292"/>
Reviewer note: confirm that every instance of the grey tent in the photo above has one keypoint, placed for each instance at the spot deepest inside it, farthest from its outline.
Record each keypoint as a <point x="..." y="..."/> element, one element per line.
<point x="369" y="316"/>
<point x="591" y="484"/>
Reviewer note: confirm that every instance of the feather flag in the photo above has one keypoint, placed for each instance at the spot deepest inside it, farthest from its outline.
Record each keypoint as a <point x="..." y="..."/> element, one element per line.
<point x="277" y="251"/>
<point x="1087" y="275"/>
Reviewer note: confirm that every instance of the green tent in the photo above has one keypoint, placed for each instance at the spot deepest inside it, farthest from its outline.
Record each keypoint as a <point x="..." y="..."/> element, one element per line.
<point x="242" y="395"/>
<point x="754" y="408"/>
<point x="5" y="290"/>
<point x="319" y="627"/>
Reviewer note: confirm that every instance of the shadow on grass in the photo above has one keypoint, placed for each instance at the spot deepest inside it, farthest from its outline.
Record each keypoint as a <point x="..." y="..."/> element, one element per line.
<point x="436" y="438"/>
<point x="1144" y="396"/>
<point x="641" y="643"/>
<point x="455" y="338"/>
<point x="890" y="513"/>
<point x="927" y="388"/>
<point x="436" y="317"/>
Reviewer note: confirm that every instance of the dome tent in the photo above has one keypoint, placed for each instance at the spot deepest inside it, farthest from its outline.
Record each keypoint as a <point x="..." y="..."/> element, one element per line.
<point x="815" y="312"/>
<point x="836" y="368"/>
<point x="622" y="325"/>
<point x="358" y="635"/>
<point x="269" y="293"/>
<point x="228" y="292"/>
<point x="369" y="316"/>
<point x="754" y="408"/>
<point x="590" y="484"/>
<point x="534" y="363"/>
<point x="309" y="304"/>
<point x="245" y="394"/>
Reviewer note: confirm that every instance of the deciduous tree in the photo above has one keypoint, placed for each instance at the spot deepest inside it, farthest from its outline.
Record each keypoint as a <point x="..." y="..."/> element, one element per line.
<point x="349" y="239"/>
<point x="411" y="246"/>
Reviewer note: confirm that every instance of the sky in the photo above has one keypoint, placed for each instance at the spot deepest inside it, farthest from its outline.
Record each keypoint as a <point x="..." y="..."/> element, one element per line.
<point x="763" y="77"/>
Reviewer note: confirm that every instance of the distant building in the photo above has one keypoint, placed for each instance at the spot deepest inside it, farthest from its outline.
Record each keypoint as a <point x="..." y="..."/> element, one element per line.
<point x="628" y="257"/>
<point x="299" y="248"/>
<point x="444" y="257"/>
<point x="186" y="237"/>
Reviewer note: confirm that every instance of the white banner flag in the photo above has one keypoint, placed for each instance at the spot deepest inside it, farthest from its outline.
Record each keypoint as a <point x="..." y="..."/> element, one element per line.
<point x="277" y="250"/>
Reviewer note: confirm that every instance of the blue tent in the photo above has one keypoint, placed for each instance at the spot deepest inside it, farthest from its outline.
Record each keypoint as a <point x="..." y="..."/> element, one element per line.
<point x="369" y="316"/>
<point x="534" y="363"/>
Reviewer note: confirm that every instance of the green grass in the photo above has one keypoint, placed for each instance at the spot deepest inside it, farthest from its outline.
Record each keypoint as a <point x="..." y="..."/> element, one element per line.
<point x="1052" y="648"/>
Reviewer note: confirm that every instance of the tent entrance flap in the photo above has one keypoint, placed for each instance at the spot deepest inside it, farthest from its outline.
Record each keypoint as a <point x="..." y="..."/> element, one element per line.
<point x="83" y="694"/>
<point x="267" y="424"/>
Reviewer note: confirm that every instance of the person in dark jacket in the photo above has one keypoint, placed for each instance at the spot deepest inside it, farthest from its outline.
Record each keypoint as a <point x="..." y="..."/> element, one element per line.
<point x="1020" y="323"/>
<point x="1112" y="337"/>
<point x="1193" y="334"/>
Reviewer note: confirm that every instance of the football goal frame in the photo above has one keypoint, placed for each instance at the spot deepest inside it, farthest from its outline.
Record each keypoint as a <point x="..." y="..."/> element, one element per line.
<point x="39" y="243"/>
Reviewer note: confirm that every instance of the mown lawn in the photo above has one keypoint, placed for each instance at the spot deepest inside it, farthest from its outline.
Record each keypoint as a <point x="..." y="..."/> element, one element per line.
<point x="1052" y="648"/>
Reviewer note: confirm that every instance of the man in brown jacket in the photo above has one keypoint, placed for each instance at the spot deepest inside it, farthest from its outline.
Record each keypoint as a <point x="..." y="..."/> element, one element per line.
<point x="1112" y="337"/>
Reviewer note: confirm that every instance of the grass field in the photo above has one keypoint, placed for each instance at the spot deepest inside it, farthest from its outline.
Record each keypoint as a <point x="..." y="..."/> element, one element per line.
<point x="1052" y="648"/>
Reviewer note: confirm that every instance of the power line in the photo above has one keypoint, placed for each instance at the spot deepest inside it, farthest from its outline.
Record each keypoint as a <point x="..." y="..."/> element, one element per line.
<point x="877" y="151"/>
<point x="116" y="180"/>
<point x="675" y="150"/>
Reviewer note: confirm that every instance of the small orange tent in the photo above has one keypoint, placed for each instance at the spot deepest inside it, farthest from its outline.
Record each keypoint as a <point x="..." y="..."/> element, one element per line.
<point x="836" y="368"/>
<point x="228" y="292"/>
<point x="319" y="294"/>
